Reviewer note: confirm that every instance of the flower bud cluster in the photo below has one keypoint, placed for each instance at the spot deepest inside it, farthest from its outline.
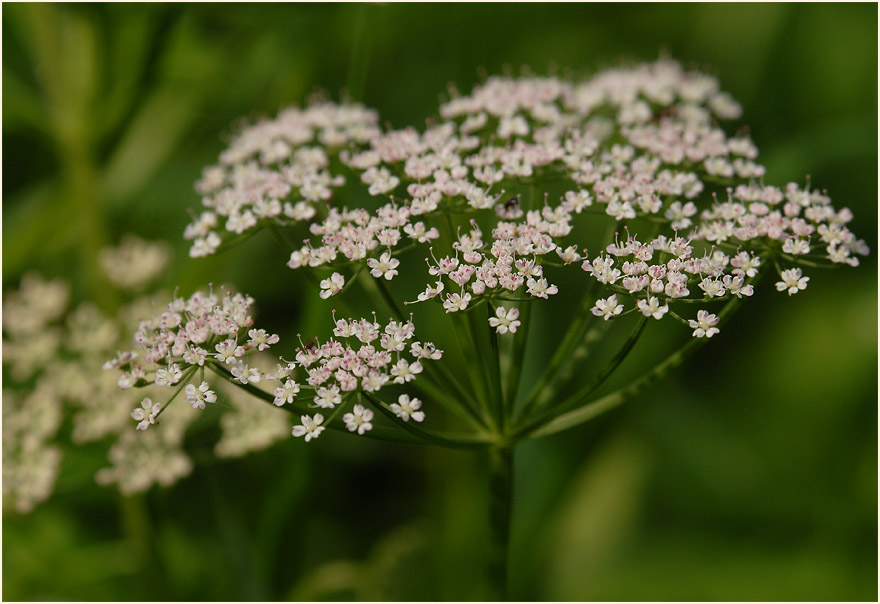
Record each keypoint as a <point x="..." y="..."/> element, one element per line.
<point x="134" y="263"/>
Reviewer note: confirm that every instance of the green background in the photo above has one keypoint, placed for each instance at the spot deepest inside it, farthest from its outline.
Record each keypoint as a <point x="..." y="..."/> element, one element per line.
<point x="749" y="475"/>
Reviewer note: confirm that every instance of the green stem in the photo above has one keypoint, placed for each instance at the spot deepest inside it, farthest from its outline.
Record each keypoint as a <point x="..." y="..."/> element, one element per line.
<point x="459" y="407"/>
<point x="517" y="357"/>
<point x="471" y="404"/>
<point x="500" y="504"/>
<point x="609" y="401"/>
<point x="494" y="363"/>
<point x="471" y="357"/>
<point x="563" y="354"/>
<point x="597" y="380"/>
<point x="483" y="362"/>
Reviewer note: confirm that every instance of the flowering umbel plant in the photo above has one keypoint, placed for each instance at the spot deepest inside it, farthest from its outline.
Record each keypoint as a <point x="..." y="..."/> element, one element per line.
<point x="623" y="193"/>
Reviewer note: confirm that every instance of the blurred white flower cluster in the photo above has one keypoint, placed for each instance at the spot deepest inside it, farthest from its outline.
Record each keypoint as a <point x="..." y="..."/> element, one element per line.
<point x="54" y="354"/>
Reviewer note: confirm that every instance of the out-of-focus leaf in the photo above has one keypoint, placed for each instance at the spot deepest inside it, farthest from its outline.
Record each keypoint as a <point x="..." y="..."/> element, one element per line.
<point x="596" y="517"/>
<point x="22" y="106"/>
<point x="151" y="137"/>
<point x="130" y="42"/>
<point x="63" y="44"/>
<point x="38" y="218"/>
<point x="334" y="581"/>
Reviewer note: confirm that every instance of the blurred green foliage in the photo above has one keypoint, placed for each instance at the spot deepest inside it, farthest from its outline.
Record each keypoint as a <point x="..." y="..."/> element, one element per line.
<point x="752" y="475"/>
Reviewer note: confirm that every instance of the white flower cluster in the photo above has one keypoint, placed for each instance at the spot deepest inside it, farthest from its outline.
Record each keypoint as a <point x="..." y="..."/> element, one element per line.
<point x="135" y="262"/>
<point x="371" y="357"/>
<point x="665" y="270"/>
<point x="189" y="333"/>
<point x="639" y="143"/>
<point x="276" y="169"/>
<point x="32" y="338"/>
<point x="54" y="356"/>
<point x="30" y="460"/>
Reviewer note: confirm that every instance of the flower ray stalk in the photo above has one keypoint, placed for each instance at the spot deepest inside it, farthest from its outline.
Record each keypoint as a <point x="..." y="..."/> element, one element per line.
<point x="597" y="380"/>
<point x="563" y="353"/>
<point x="589" y="410"/>
<point x="463" y="411"/>
<point x="494" y="362"/>
<point x="471" y="406"/>
<point x="517" y="358"/>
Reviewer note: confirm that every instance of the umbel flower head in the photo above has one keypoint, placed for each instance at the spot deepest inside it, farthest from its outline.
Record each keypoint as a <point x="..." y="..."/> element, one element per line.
<point x="498" y="204"/>
<point x="640" y="145"/>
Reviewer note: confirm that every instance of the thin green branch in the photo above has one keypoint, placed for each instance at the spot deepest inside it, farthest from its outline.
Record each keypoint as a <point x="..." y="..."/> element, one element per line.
<point x="494" y="363"/>
<point x="500" y="508"/>
<point x="590" y="410"/>
<point x="183" y="382"/>
<point x="517" y="358"/>
<point x="592" y="385"/>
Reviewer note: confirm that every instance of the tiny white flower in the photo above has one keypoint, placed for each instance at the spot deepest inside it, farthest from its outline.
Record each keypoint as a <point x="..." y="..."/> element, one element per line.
<point x="796" y="246"/>
<point x="286" y="393"/>
<point x="431" y="292"/>
<point x="328" y="397"/>
<point x="705" y="324"/>
<point x="406" y="408"/>
<point x="359" y="419"/>
<point x="246" y="374"/>
<point x="456" y="302"/>
<point x="607" y="307"/>
<point x="385" y="266"/>
<point x="332" y="286"/>
<point x="404" y="372"/>
<point x="168" y="376"/>
<point x="792" y="280"/>
<point x="505" y="320"/>
<point x="539" y="288"/>
<point x="261" y="340"/>
<point x="311" y="427"/>
<point x="651" y="308"/>
<point x="197" y="397"/>
<point x="713" y="288"/>
<point x="146" y="413"/>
